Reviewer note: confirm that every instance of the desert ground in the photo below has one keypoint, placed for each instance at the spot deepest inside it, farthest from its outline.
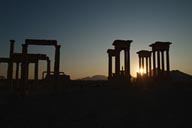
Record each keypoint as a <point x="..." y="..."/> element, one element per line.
<point x="99" y="104"/>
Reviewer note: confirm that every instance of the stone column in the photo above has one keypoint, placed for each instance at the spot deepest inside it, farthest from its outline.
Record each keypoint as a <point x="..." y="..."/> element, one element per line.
<point x="128" y="62"/>
<point x="57" y="60"/>
<point x="10" y="64"/>
<point x="17" y="77"/>
<point x="110" y="66"/>
<point x="36" y="70"/>
<point x="150" y="66"/>
<point x="117" y="63"/>
<point x="168" y="64"/>
<point x="17" y="71"/>
<point x="154" y="64"/>
<point x="142" y="59"/>
<point x="139" y="62"/>
<point x="158" y="62"/>
<point x="48" y="67"/>
<point x="162" y="57"/>
<point x="147" y="72"/>
<point x="24" y="72"/>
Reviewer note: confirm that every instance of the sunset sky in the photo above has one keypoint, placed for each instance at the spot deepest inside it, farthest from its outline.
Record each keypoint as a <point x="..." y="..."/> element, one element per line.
<point x="85" y="29"/>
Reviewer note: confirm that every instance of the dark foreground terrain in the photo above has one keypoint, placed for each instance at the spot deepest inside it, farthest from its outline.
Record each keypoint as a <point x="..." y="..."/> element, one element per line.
<point x="101" y="106"/>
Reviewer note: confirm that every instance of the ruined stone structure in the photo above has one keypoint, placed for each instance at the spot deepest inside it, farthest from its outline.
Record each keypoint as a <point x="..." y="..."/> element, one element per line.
<point x="145" y="55"/>
<point x="32" y="58"/>
<point x="44" y="43"/>
<point x="119" y="46"/>
<point x="24" y="59"/>
<point x="17" y="58"/>
<point x="111" y="53"/>
<point x="159" y="69"/>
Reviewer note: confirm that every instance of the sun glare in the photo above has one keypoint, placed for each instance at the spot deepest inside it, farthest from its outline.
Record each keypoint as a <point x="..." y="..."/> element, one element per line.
<point x="141" y="71"/>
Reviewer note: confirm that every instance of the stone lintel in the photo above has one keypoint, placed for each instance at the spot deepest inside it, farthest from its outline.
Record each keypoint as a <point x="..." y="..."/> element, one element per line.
<point x="160" y="46"/>
<point x="144" y="53"/>
<point x="40" y="42"/>
<point x="111" y="52"/>
<point x="122" y="44"/>
<point x="18" y="57"/>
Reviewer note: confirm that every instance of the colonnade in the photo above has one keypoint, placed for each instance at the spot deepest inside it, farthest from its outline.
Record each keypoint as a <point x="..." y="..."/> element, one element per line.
<point x="32" y="58"/>
<point x="111" y="53"/>
<point x="44" y="43"/>
<point x="158" y="49"/>
<point x="145" y="55"/>
<point x="119" y="46"/>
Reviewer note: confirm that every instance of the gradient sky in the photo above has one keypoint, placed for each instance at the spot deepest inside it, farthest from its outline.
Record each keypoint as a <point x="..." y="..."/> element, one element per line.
<point x="86" y="29"/>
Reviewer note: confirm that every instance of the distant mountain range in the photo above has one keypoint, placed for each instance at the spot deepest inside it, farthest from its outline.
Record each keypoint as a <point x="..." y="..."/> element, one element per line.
<point x="95" y="77"/>
<point x="175" y="75"/>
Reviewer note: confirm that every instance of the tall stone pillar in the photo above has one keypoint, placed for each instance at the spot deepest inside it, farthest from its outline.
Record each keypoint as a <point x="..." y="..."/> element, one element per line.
<point x="128" y="62"/>
<point x="17" y="71"/>
<point x="142" y="59"/>
<point x="168" y="64"/>
<point x="158" y="62"/>
<point x="36" y="70"/>
<point x="110" y="66"/>
<point x="117" y="63"/>
<point x="150" y="74"/>
<point x="162" y="58"/>
<point x="139" y="62"/>
<point x="48" y="67"/>
<point x="24" y="72"/>
<point x="57" y="60"/>
<point x="10" y="64"/>
<point x="154" y="64"/>
<point x="147" y="72"/>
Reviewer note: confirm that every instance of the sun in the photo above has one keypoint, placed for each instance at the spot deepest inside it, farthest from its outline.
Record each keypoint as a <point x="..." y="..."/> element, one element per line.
<point x="141" y="71"/>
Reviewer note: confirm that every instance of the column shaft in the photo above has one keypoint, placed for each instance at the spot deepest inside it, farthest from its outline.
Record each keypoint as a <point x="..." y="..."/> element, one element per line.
<point x="158" y="62"/>
<point x="117" y="63"/>
<point x="142" y="58"/>
<point x="139" y="62"/>
<point x="110" y="66"/>
<point x="48" y="67"/>
<point x="162" y="57"/>
<point x="154" y="64"/>
<point x="57" y="60"/>
<point x="126" y="62"/>
<point x="147" y="72"/>
<point x="24" y="72"/>
<point x="150" y="66"/>
<point x="17" y="71"/>
<point x="36" y="71"/>
<point x="10" y="64"/>
<point x="168" y="64"/>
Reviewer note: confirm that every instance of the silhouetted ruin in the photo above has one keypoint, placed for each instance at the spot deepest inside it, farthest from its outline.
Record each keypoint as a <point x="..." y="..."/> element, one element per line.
<point x="58" y="79"/>
<point x="158" y="72"/>
<point x="161" y="47"/>
<point x="24" y="59"/>
<point x="144" y="55"/>
<point x="119" y="46"/>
